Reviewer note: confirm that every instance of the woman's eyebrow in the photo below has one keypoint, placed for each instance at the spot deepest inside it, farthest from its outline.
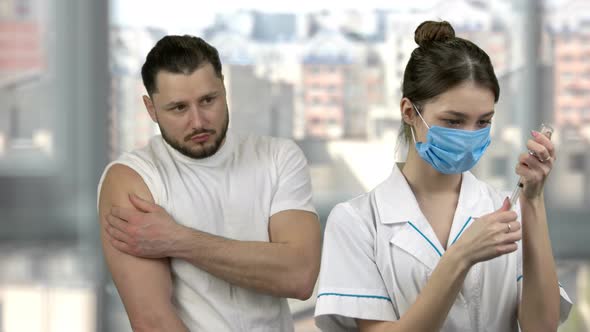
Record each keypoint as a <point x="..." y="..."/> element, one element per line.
<point x="463" y="115"/>
<point x="455" y="113"/>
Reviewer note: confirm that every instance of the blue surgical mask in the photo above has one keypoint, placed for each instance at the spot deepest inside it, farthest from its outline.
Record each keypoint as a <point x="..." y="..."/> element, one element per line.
<point x="452" y="151"/>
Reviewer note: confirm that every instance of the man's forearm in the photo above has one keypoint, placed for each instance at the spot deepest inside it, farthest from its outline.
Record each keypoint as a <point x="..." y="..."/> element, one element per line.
<point x="539" y="307"/>
<point x="159" y="322"/>
<point x="278" y="269"/>
<point x="285" y="267"/>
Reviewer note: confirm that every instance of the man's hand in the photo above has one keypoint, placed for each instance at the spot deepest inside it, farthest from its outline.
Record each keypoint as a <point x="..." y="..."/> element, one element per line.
<point x="148" y="232"/>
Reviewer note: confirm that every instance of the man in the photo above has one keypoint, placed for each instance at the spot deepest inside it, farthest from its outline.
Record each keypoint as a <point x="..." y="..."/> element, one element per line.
<point x="204" y="229"/>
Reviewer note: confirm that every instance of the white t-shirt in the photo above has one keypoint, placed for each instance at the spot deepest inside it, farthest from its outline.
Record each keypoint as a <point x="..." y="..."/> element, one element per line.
<point x="231" y="194"/>
<point x="379" y="251"/>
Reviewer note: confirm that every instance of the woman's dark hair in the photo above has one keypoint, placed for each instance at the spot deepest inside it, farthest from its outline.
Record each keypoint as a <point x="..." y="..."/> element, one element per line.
<point x="441" y="62"/>
<point x="179" y="55"/>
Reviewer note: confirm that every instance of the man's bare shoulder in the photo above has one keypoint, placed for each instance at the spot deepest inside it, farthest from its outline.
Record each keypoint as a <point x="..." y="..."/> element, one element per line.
<point x="120" y="181"/>
<point x="121" y="172"/>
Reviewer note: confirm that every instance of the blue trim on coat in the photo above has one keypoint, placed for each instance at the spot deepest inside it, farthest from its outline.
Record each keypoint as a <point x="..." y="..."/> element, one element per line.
<point x="427" y="239"/>
<point x="356" y="295"/>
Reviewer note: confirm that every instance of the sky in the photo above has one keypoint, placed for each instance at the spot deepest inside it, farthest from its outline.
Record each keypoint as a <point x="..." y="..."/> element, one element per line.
<point x="190" y="15"/>
<point x="174" y="14"/>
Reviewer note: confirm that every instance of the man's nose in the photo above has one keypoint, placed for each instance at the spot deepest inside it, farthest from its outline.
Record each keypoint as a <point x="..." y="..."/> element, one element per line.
<point x="195" y="118"/>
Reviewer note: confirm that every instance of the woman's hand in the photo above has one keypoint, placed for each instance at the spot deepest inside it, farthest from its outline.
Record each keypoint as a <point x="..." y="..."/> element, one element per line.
<point x="535" y="166"/>
<point x="490" y="236"/>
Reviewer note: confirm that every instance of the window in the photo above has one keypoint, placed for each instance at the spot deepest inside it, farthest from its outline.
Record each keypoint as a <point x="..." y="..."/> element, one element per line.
<point x="567" y="76"/>
<point x="578" y="162"/>
<point x="322" y="57"/>
<point x="567" y="57"/>
<point x="46" y="113"/>
<point x="576" y="91"/>
<point x="499" y="166"/>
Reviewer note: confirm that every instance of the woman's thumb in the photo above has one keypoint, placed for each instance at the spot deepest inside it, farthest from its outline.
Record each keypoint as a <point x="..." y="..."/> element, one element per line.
<point x="505" y="205"/>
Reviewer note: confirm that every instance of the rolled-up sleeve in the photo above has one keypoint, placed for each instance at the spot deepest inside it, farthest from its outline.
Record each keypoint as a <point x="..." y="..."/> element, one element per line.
<point x="294" y="191"/>
<point x="350" y="283"/>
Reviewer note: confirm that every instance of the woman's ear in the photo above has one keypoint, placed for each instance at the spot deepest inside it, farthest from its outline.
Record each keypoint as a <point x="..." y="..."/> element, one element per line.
<point x="408" y="113"/>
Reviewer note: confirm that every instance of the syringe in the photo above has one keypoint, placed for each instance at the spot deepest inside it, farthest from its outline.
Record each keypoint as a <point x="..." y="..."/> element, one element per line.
<point x="547" y="131"/>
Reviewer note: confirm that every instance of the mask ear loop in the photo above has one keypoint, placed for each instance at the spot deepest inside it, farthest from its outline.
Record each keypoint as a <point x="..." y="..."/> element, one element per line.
<point x="412" y="128"/>
<point x="427" y="126"/>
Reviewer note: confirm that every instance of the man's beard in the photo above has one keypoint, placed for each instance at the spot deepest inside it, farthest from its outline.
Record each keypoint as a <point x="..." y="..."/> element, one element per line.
<point x="205" y="150"/>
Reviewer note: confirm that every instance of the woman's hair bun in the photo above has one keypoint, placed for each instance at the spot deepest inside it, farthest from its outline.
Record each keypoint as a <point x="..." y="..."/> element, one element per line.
<point x="430" y="31"/>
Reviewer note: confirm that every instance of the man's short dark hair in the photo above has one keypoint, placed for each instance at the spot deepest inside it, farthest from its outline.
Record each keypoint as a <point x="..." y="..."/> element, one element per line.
<point x="179" y="55"/>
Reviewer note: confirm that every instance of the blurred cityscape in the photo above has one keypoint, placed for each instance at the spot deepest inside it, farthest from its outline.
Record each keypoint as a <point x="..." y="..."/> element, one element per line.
<point x="330" y="80"/>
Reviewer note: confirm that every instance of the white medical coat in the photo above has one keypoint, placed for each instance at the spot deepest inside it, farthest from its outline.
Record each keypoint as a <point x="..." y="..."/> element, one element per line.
<point x="379" y="251"/>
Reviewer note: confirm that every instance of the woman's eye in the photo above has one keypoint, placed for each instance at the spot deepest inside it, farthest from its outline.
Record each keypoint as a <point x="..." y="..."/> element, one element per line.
<point x="453" y="122"/>
<point x="485" y="123"/>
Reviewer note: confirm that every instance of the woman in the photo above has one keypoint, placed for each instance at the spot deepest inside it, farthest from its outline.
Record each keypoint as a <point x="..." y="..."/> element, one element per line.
<point x="433" y="248"/>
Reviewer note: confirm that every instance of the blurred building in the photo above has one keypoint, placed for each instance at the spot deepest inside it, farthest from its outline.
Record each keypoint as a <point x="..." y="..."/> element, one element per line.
<point x="333" y="87"/>
<point x="46" y="289"/>
<point x="569" y="37"/>
<point x="331" y="79"/>
<point x="570" y="32"/>
<point x="374" y="78"/>
<point x="570" y="180"/>
<point x="495" y="42"/>
<point x="53" y="78"/>
<point x="26" y="129"/>
<point x="497" y="164"/>
<point x="258" y="105"/>
<point x="472" y="20"/>
<point x="464" y="15"/>
<point x="572" y="77"/>
<point x="130" y="124"/>
<point x="276" y="27"/>
<point x="260" y="100"/>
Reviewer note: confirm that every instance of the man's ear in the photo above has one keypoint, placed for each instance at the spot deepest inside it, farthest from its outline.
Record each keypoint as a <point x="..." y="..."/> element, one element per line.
<point x="408" y="112"/>
<point x="223" y="83"/>
<point x="149" y="106"/>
